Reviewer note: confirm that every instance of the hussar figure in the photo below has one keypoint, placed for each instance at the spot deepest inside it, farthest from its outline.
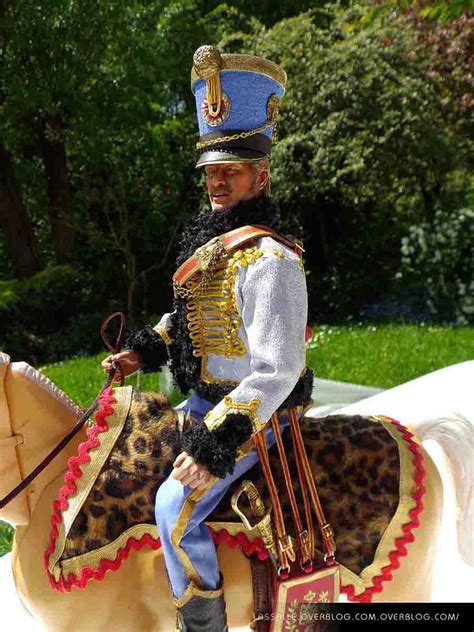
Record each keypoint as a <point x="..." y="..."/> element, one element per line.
<point x="236" y="334"/>
<point x="147" y="489"/>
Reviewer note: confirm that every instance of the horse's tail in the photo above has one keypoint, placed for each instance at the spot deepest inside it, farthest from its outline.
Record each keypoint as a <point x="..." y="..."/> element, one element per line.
<point x="455" y="435"/>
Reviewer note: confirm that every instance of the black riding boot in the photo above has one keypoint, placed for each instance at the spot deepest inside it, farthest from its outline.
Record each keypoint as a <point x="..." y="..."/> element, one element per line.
<point x="201" y="610"/>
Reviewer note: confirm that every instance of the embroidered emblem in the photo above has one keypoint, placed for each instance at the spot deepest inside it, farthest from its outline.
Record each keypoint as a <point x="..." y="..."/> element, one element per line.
<point x="291" y="619"/>
<point x="323" y="596"/>
<point x="310" y="596"/>
<point x="216" y="116"/>
<point x="210" y="254"/>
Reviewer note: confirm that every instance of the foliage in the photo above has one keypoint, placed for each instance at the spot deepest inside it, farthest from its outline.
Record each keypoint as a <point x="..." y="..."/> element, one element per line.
<point x="6" y="537"/>
<point x="439" y="255"/>
<point x="373" y="130"/>
<point x="47" y="290"/>
<point x="368" y="148"/>
<point x="433" y="10"/>
<point x="37" y="307"/>
<point x="108" y="85"/>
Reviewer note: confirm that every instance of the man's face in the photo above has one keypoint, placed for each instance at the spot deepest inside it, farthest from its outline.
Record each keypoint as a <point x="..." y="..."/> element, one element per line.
<point x="229" y="183"/>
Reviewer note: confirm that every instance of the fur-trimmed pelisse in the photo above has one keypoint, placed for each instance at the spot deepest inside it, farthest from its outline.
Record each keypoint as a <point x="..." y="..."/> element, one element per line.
<point x="217" y="450"/>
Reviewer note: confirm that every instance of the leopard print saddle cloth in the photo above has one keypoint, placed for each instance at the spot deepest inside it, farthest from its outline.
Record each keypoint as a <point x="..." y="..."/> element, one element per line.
<point x="367" y="471"/>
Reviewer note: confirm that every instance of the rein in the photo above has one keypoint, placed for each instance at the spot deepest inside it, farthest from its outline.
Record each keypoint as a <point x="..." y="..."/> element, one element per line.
<point x="116" y="368"/>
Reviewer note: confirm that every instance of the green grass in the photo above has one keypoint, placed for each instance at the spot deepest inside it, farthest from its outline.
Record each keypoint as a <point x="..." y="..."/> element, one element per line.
<point x="6" y="535"/>
<point x="386" y="355"/>
<point x="375" y="355"/>
<point x="82" y="378"/>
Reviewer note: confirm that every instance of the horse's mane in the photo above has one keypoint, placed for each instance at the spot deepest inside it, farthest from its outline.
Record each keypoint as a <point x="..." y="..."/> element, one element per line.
<point x="25" y="369"/>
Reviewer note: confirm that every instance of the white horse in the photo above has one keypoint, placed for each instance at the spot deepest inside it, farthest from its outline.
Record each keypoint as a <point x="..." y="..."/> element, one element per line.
<point x="435" y="406"/>
<point x="439" y="407"/>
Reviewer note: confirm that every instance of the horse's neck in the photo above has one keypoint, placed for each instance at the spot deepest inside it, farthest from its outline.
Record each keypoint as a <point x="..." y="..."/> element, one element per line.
<point x="39" y="415"/>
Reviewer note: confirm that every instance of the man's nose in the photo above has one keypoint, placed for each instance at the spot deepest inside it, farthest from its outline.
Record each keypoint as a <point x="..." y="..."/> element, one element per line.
<point x="218" y="179"/>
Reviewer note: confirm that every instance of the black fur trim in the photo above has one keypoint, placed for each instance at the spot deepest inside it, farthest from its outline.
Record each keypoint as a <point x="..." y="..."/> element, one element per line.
<point x="301" y="393"/>
<point x="217" y="449"/>
<point x="207" y="224"/>
<point x="214" y="393"/>
<point x="184" y="365"/>
<point x="150" y="346"/>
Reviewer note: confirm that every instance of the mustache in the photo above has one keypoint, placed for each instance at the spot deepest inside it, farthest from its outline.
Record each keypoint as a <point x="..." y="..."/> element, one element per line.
<point x="220" y="192"/>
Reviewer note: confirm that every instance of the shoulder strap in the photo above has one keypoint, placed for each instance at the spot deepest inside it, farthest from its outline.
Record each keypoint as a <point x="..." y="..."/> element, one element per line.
<point x="228" y="241"/>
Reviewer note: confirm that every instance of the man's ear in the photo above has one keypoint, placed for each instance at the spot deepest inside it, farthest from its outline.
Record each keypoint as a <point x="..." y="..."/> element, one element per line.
<point x="262" y="180"/>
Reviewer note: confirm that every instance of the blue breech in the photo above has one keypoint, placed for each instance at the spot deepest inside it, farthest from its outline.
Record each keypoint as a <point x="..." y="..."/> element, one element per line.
<point x="187" y="545"/>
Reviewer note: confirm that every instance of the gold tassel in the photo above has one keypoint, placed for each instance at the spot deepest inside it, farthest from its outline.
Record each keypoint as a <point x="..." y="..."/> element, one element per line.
<point x="207" y="64"/>
<point x="214" y="95"/>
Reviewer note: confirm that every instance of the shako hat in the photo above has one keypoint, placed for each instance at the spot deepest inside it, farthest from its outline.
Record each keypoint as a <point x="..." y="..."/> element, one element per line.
<point x="237" y="99"/>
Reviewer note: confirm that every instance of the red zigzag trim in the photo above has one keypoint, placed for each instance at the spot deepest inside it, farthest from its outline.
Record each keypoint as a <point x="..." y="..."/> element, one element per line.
<point x="407" y="537"/>
<point x="74" y="472"/>
<point x="69" y="488"/>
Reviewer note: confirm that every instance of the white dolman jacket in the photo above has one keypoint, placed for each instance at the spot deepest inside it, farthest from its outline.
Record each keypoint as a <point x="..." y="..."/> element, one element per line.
<point x="248" y="328"/>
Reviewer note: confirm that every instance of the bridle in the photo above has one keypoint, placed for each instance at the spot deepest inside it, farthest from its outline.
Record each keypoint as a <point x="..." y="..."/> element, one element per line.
<point x="116" y="368"/>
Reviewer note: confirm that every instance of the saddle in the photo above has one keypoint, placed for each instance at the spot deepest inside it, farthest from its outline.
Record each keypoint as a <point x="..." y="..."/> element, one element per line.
<point x="105" y="509"/>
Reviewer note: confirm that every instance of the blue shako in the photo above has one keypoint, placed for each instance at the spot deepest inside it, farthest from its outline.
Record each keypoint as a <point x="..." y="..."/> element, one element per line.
<point x="237" y="99"/>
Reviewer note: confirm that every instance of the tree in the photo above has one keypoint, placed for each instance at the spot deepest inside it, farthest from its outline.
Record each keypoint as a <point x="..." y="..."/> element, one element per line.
<point x="51" y="66"/>
<point x="14" y="219"/>
<point x="368" y="147"/>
